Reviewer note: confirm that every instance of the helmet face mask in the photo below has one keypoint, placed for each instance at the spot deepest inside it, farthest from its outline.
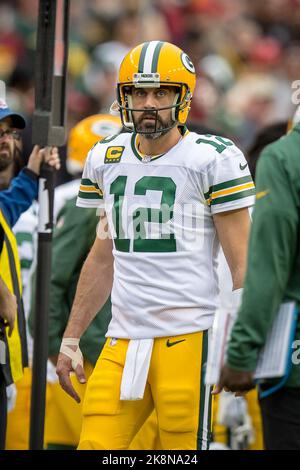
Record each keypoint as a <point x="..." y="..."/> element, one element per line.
<point x="156" y="64"/>
<point x="181" y="101"/>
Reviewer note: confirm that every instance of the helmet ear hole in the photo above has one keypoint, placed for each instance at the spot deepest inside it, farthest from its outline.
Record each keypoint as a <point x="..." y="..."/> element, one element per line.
<point x="185" y="103"/>
<point x="180" y="102"/>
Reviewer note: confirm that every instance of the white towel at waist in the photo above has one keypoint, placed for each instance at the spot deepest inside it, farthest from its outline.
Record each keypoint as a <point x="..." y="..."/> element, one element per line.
<point x="135" y="372"/>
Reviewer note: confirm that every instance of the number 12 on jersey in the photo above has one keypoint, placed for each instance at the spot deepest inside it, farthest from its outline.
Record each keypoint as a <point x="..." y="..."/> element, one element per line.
<point x="144" y="215"/>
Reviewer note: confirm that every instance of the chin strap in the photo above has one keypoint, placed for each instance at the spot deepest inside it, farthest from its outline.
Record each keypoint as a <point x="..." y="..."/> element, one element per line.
<point x="76" y="356"/>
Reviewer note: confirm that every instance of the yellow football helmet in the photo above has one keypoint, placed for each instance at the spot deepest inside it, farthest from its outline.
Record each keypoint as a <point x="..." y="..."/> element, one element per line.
<point x="85" y="134"/>
<point x="155" y="64"/>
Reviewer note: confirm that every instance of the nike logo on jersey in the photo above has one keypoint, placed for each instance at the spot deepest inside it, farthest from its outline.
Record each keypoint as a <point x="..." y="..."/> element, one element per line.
<point x="169" y="344"/>
<point x="242" y="167"/>
<point x="262" y="194"/>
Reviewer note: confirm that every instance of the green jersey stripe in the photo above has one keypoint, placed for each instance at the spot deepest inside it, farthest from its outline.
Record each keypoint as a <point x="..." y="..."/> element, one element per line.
<point x="233" y="197"/>
<point x="156" y="56"/>
<point x="107" y="139"/>
<point x="87" y="182"/>
<point x="142" y="57"/>
<point x="93" y="195"/>
<point x="229" y="184"/>
<point x="207" y="195"/>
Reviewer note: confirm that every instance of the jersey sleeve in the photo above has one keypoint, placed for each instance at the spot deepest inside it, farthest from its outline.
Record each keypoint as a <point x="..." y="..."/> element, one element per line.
<point x="90" y="192"/>
<point x="229" y="182"/>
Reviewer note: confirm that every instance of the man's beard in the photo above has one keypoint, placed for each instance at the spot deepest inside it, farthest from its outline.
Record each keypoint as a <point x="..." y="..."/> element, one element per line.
<point x="162" y="127"/>
<point x="6" y="157"/>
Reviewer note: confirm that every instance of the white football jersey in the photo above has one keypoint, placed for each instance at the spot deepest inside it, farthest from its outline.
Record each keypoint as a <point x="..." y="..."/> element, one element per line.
<point x="160" y="214"/>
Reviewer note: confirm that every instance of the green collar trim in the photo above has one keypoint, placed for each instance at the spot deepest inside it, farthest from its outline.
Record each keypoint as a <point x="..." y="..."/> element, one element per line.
<point x="183" y="130"/>
<point x="140" y="155"/>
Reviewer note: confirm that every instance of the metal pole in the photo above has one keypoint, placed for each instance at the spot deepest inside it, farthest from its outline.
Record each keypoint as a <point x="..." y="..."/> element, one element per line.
<point x="48" y="130"/>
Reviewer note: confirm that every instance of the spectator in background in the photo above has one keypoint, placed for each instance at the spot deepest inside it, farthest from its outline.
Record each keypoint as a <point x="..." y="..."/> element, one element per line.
<point x="266" y="136"/>
<point x="230" y="424"/>
<point x="8" y="303"/>
<point x="24" y="188"/>
<point x="13" y="201"/>
<point x="273" y="276"/>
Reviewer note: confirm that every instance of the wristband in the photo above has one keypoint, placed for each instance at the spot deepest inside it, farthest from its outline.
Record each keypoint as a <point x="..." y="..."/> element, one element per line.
<point x="75" y="356"/>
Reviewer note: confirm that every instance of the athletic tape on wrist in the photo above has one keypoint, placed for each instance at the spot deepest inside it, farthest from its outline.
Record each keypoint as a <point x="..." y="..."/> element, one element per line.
<point x="75" y="356"/>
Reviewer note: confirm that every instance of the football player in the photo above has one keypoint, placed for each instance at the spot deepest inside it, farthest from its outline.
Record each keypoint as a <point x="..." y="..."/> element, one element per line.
<point x="168" y="198"/>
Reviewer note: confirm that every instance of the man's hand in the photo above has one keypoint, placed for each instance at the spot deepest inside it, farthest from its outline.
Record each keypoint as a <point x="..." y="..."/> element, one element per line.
<point x="38" y="155"/>
<point x="234" y="381"/>
<point x="8" y="306"/>
<point x="63" y="370"/>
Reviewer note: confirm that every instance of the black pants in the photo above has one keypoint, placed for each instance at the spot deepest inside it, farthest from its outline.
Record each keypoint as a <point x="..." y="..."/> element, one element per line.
<point x="281" y="419"/>
<point x="3" y="410"/>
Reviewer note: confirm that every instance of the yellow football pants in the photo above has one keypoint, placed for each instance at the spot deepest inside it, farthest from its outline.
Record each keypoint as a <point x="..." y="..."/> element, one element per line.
<point x="175" y="389"/>
<point x="64" y="418"/>
<point x="63" y="415"/>
<point x="18" y="420"/>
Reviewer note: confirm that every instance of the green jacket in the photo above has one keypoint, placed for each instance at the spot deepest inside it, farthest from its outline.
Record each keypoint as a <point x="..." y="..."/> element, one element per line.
<point x="72" y="239"/>
<point x="273" y="273"/>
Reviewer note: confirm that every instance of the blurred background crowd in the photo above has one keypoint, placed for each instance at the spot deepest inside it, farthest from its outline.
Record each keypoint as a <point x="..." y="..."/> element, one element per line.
<point x="246" y="53"/>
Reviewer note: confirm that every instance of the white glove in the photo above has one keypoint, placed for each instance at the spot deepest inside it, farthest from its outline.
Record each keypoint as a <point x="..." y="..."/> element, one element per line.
<point x="243" y="435"/>
<point x="233" y="413"/>
<point x="232" y="410"/>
